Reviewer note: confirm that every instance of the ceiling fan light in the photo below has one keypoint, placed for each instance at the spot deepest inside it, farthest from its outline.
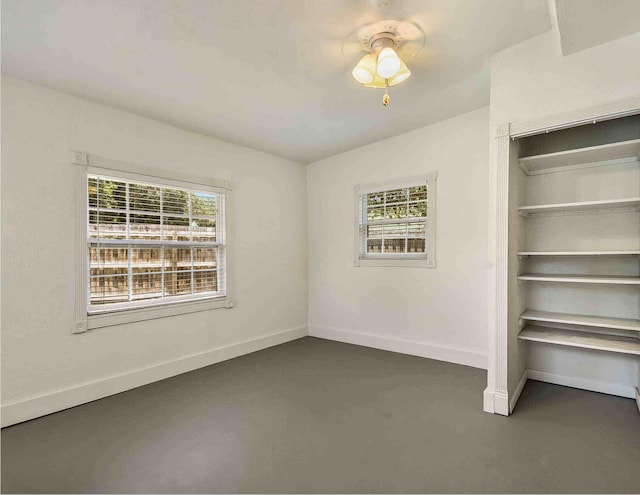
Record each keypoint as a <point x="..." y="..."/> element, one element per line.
<point x="403" y="74"/>
<point x="388" y="63"/>
<point x="364" y="72"/>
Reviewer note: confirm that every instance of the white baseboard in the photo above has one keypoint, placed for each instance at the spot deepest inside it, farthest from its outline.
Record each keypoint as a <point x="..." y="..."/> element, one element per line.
<point x="584" y="383"/>
<point x="638" y="398"/>
<point x="516" y="393"/>
<point x="414" y="348"/>
<point x="64" y="399"/>
<point x="495" y="402"/>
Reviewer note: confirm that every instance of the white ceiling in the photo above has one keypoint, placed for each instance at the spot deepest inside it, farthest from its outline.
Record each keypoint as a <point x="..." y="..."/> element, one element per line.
<point x="268" y="74"/>
<point x="586" y="23"/>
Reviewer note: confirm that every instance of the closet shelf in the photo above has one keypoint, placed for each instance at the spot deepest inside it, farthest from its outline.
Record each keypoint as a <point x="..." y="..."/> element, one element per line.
<point x="584" y="340"/>
<point x="580" y="253"/>
<point x="584" y="320"/>
<point x="581" y="279"/>
<point x="591" y="155"/>
<point x="607" y="205"/>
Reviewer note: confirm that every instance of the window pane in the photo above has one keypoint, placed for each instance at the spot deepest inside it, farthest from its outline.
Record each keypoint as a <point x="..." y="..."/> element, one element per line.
<point x="376" y="198"/>
<point x="418" y="193"/>
<point x="176" y="229"/>
<point x="396" y="196"/>
<point x="418" y="209"/>
<point x="395" y="230"/>
<point x="107" y="225"/>
<point x="375" y="213"/>
<point x="394" y="245"/>
<point x="374" y="245"/>
<point x="144" y="227"/>
<point x="375" y="230"/>
<point x="107" y="290"/>
<point x="399" y="211"/>
<point x="143" y="197"/>
<point x="203" y="204"/>
<point x="177" y="259"/>
<point x="112" y="194"/>
<point x="417" y="229"/>
<point x="177" y="283"/>
<point x="92" y="189"/>
<point x="146" y="259"/>
<point x="205" y="281"/>
<point x="416" y="245"/>
<point x="204" y="258"/>
<point x="175" y="201"/>
<point x="203" y="229"/>
<point x="146" y="286"/>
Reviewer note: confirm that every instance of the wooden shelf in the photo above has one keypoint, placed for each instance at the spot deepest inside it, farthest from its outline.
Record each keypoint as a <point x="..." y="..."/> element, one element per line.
<point x="607" y="205"/>
<point x="584" y="320"/>
<point x="581" y="279"/>
<point x="580" y="253"/>
<point x="584" y="340"/>
<point x="552" y="162"/>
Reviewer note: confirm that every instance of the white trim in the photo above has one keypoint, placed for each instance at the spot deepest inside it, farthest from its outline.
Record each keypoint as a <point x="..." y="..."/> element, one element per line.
<point x="152" y="173"/>
<point x="395" y="260"/>
<point x="638" y="398"/>
<point x="163" y="310"/>
<point x="584" y="383"/>
<point x="516" y="393"/>
<point x="495" y="402"/>
<point x="449" y="354"/>
<point x="401" y="262"/>
<point x="582" y="116"/>
<point x="63" y="399"/>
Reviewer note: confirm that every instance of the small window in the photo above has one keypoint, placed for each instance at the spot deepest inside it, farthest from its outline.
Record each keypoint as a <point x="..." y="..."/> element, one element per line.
<point x="396" y="223"/>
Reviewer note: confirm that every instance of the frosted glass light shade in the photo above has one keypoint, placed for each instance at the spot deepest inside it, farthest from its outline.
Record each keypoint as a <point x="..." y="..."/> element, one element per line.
<point x="402" y="75"/>
<point x="388" y="63"/>
<point x="365" y="71"/>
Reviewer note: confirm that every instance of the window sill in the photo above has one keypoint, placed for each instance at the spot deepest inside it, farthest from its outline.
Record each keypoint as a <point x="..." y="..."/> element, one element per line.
<point x="400" y="262"/>
<point x="150" y="313"/>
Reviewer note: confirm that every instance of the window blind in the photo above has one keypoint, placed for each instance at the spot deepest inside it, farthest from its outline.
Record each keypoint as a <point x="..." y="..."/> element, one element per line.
<point x="149" y="244"/>
<point x="393" y="223"/>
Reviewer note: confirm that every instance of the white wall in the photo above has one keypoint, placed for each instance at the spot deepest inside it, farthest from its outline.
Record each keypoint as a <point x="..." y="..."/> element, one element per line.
<point x="439" y="313"/>
<point x="44" y="366"/>
<point x="533" y="80"/>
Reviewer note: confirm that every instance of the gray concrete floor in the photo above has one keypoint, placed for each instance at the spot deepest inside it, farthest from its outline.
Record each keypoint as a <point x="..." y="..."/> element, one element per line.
<point x="320" y="416"/>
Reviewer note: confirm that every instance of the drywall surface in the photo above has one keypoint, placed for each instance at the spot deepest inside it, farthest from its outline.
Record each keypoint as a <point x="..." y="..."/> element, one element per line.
<point x="435" y="312"/>
<point x="40" y="356"/>
<point x="530" y="81"/>
<point x="533" y="80"/>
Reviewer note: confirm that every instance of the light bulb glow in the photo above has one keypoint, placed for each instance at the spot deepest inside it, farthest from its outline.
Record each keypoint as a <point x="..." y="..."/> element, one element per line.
<point x="388" y="63"/>
<point x="364" y="72"/>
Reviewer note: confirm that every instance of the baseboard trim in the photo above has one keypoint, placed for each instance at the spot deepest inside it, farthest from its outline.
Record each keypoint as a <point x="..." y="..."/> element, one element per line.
<point x="638" y="398"/>
<point x="584" y="384"/>
<point x="411" y="347"/>
<point x="495" y="402"/>
<point x="18" y="412"/>
<point x="513" y="400"/>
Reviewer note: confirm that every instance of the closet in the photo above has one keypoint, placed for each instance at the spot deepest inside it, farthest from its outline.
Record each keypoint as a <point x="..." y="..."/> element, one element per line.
<point x="574" y="257"/>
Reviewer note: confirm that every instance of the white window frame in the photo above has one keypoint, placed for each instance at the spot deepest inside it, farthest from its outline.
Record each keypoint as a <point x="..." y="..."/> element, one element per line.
<point x="428" y="260"/>
<point x="87" y="164"/>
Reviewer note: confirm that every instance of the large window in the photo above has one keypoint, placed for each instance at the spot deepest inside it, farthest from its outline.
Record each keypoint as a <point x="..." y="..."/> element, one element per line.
<point x="149" y="243"/>
<point x="396" y="223"/>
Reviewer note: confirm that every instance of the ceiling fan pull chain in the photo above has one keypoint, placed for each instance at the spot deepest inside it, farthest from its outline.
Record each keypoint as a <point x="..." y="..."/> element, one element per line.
<point x="386" y="98"/>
